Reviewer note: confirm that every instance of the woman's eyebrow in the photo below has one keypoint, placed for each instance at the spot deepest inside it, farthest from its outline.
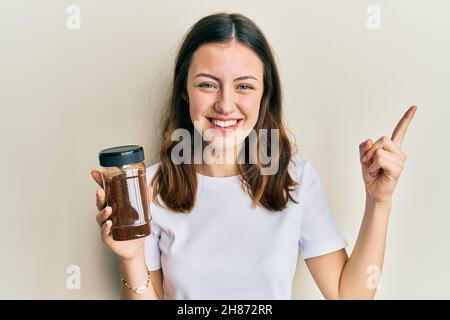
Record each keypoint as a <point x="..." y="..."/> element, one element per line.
<point x="207" y="75"/>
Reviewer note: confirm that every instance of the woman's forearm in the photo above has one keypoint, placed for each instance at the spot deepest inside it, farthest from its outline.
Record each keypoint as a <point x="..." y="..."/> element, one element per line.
<point x="134" y="272"/>
<point x="360" y="276"/>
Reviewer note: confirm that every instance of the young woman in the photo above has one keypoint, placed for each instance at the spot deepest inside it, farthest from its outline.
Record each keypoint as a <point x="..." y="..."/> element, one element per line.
<point x="227" y="229"/>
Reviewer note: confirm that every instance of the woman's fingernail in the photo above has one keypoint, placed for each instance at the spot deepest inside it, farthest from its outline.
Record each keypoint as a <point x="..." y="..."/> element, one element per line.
<point x="364" y="159"/>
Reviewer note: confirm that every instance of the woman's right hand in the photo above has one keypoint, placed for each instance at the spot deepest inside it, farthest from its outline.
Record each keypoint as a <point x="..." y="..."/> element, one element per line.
<point x="125" y="250"/>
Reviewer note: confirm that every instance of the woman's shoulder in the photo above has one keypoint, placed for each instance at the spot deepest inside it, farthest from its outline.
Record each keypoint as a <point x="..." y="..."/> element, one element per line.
<point x="297" y="165"/>
<point x="302" y="169"/>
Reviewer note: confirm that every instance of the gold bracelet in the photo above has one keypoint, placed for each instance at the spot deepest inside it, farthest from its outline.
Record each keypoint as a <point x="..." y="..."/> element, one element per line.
<point x="140" y="289"/>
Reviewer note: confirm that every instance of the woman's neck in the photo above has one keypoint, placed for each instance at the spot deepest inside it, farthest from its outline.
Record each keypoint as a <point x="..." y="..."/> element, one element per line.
<point x="217" y="170"/>
<point x="223" y="166"/>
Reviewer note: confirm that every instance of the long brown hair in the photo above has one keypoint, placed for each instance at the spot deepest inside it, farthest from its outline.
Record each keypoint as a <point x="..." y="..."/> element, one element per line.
<point x="176" y="184"/>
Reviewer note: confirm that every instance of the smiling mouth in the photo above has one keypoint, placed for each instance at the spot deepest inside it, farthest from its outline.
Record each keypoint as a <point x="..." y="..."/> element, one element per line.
<point x="224" y="123"/>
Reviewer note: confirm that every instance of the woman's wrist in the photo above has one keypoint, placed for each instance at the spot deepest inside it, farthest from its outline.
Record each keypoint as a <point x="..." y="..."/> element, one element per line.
<point x="134" y="273"/>
<point x="138" y="288"/>
<point x="377" y="203"/>
<point x="129" y="263"/>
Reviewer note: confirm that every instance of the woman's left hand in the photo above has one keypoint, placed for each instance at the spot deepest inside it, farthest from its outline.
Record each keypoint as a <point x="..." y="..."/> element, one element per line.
<point x="382" y="162"/>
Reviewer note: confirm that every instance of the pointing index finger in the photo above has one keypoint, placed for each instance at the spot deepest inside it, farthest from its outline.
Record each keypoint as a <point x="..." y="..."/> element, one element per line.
<point x="400" y="130"/>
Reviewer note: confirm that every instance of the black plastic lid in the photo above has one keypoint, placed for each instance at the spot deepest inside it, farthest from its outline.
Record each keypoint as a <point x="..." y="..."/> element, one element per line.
<point x="119" y="156"/>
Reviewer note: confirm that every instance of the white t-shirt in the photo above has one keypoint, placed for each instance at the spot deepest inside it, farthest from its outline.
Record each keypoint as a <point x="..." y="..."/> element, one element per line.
<point x="225" y="249"/>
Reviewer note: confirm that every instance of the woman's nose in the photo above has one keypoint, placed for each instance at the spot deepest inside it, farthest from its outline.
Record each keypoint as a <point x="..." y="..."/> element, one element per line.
<point x="225" y="103"/>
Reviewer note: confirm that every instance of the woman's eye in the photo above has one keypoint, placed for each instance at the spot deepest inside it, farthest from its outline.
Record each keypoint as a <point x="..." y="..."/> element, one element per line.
<point x="209" y="85"/>
<point x="246" y="86"/>
<point x="202" y="85"/>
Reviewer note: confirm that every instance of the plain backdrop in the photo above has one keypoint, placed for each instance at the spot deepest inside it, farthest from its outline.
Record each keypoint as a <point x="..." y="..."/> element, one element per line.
<point x="67" y="93"/>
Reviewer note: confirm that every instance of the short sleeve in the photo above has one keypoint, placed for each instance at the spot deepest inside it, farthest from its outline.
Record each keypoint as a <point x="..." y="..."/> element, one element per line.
<point x="152" y="250"/>
<point x="319" y="234"/>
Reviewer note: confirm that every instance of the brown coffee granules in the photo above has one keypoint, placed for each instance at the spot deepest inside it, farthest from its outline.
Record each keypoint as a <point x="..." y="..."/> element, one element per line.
<point x="126" y="194"/>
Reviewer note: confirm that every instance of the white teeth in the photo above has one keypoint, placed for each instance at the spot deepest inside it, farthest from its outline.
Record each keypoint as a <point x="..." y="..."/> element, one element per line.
<point x="224" y="124"/>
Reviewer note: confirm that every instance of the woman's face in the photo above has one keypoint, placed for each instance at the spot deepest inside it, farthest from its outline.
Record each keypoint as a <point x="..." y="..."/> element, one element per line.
<point x="225" y="86"/>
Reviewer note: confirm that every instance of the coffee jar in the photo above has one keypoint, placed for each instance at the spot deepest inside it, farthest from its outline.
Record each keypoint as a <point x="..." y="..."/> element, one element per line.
<point x="125" y="185"/>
